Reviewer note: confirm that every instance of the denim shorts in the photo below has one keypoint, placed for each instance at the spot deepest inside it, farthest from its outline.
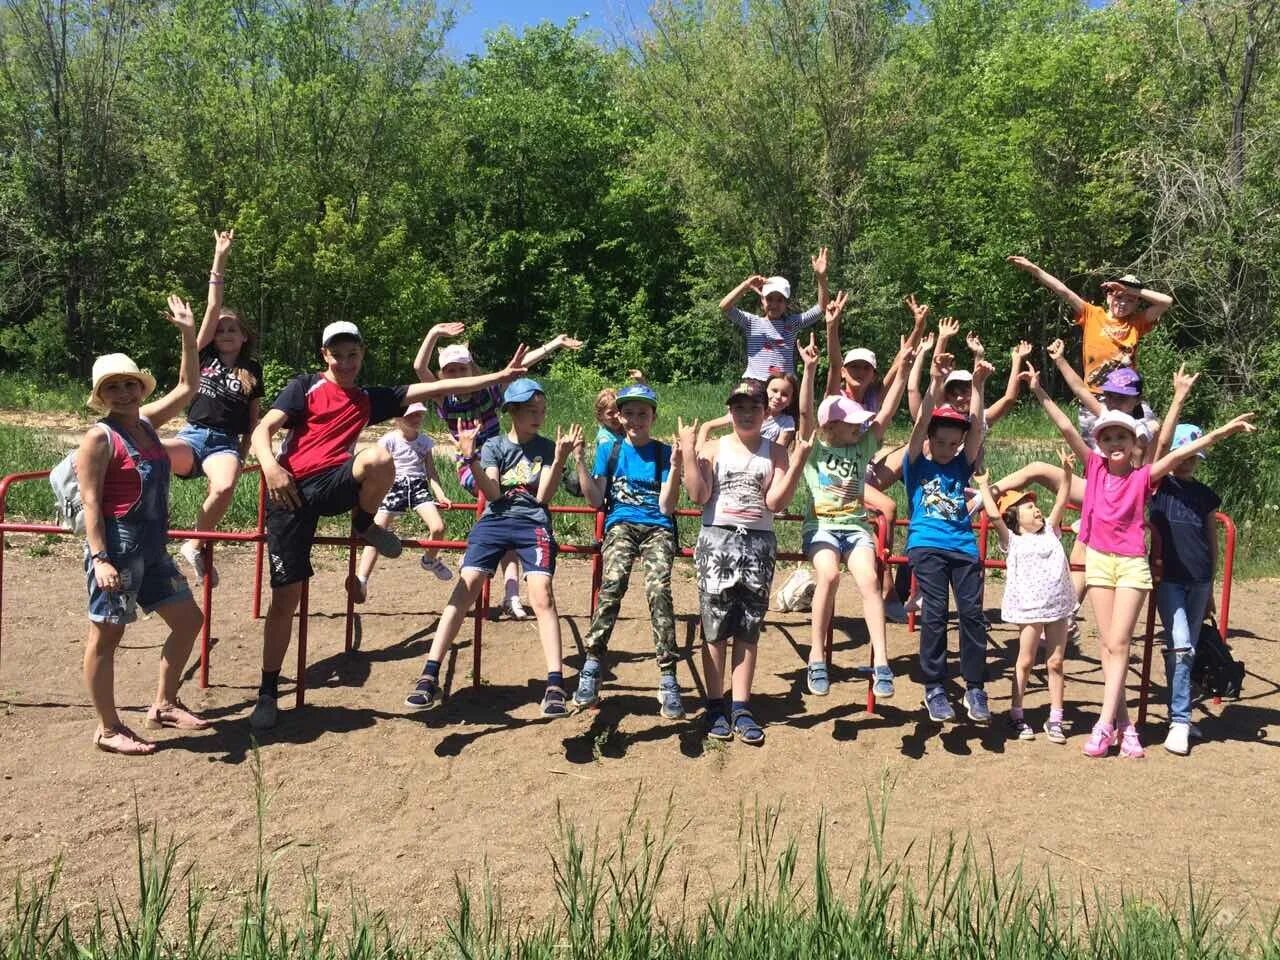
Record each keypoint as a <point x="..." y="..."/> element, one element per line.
<point x="148" y="578"/>
<point x="207" y="442"/>
<point x="492" y="536"/>
<point x="844" y="541"/>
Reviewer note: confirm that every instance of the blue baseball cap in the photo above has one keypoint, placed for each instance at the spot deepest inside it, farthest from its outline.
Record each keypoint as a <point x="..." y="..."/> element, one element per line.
<point x="638" y="391"/>
<point x="1187" y="433"/>
<point x="521" y="391"/>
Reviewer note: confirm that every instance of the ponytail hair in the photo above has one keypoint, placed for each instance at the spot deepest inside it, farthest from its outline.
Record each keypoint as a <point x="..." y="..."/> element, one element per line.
<point x="247" y="380"/>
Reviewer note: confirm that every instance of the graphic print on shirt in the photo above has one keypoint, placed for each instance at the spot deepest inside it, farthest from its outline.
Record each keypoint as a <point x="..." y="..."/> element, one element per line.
<point x="632" y="493"/>
<point x="839" y="487"/>
<point x="742" y="496"/>
<point x="942" y="498"/>
<point x="522" y="477"/>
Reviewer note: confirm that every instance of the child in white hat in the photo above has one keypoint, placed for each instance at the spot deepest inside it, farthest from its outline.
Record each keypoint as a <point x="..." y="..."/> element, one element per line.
<point x="771" y="337"/>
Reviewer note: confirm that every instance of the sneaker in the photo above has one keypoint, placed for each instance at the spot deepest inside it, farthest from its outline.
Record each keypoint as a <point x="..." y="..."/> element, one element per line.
<point x="668" y="697"/>
<point x="513" y="609"/>
<point x="437" y="566"/>
<point x="975" y="704"/>
<point x="425" y="695"/>
<point x="1020" y="729"/>
<point x="883" y="686"/>
<point x="1099" y="742"/>
<point x="939" y="707"/>
<point x="382" y="540"/>
<point x="1130" y="745"/>
<point x="265" y="713"/>
<point x="1053" y="730"/>
<point x="895" y="611"/>
<point x="1178" y="740"/>
<point x="194" y="556"/>
<point x="588" y="692"/>
<point x="819" y="684"/>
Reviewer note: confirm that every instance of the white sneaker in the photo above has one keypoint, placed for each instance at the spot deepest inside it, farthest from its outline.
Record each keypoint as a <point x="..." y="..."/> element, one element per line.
<point x="264" y="713"/>
<point x="193" y="555"/>
<point x="1176" y="741"/>
<point x="437" y="566"/>
<point x="514" y="609"/>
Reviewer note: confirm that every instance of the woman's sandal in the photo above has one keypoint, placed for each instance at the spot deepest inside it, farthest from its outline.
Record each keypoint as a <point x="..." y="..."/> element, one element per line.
<point x="123" y="741"/>
<point x="175" y="715"/>
<point x="553" y="703"/>
<point x="747" y="729"/>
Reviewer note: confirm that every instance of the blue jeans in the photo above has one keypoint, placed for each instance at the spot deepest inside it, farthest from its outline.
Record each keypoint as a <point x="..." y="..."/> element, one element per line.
<point x="1182" y="607"/>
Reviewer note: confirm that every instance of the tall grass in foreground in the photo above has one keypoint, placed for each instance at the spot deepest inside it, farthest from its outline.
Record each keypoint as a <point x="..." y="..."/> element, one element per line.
<point x="612" y="901"/>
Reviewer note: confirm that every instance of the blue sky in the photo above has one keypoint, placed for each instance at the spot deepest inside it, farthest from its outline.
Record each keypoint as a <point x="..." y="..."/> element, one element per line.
<point x="477" y="16"/>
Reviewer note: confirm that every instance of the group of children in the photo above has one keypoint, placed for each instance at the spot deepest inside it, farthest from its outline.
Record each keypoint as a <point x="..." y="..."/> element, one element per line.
<point x="779" y="434"/>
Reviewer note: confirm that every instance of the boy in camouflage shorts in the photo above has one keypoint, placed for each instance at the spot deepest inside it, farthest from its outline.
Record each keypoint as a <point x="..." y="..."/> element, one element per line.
<point x="636" y="481"/>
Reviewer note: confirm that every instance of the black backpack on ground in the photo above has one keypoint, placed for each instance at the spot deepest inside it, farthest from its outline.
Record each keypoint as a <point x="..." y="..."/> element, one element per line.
<point x="1216" y="672"/>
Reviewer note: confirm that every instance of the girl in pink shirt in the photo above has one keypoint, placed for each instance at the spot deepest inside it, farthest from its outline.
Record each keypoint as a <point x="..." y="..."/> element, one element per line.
<point x="1112" y="526"/>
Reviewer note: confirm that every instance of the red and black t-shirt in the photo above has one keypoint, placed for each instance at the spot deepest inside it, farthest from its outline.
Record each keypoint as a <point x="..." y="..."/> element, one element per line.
<point x="324" y="420"/>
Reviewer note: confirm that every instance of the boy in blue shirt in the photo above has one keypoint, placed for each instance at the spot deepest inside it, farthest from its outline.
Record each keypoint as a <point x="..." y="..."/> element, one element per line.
<point x="636" y="481"/>
<point x="940" y="542"/>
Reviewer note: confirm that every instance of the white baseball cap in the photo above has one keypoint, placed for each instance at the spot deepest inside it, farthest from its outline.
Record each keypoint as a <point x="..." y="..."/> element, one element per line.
<point x="1115" y="418"/>
<point x="957" y="376"/>
<point x="340" y="328"/>
<point x="863" y="354"/>
<point x="777" y="285"/>
<point x="455" y="353"/>
<point x="414" y="408"/>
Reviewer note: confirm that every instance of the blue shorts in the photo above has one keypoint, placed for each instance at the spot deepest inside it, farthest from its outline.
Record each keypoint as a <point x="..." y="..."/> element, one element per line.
<point x="206" y="442"/>
<point x="492" y="536"/>
<point x="843" y="541"/>
<point x="148" y="579"/>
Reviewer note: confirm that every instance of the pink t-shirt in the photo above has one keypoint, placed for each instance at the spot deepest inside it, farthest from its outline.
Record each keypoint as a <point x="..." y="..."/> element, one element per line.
<point x="1114" y="511"/>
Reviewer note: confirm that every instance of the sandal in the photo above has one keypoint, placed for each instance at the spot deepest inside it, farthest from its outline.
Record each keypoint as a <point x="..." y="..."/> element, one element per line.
<point x="123" y="741"/>
<point x="553" y="703"/>
<point x="718" y="727"/>
<point x="177" y="715"/>
<point x="424" y="695"/>
<point x="747" y="729"/>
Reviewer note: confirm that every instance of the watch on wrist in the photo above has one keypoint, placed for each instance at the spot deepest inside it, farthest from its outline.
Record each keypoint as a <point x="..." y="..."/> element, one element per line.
<point x="103" y="556"/>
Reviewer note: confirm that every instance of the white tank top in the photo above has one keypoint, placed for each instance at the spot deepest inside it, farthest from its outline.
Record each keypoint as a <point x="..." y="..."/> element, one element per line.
<point x="738" y="486"/>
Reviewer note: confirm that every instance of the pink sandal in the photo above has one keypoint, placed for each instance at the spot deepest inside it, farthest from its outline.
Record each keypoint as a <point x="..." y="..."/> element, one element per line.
<point x="175" y="715"/>
<point x="123" y="741"/>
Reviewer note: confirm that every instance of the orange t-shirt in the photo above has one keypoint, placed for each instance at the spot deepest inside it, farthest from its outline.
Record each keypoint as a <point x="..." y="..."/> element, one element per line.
<point x="1109" y="343"/>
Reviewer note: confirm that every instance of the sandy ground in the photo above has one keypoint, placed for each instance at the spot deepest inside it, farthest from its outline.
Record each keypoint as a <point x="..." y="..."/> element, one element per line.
<point x="394" y="805"/>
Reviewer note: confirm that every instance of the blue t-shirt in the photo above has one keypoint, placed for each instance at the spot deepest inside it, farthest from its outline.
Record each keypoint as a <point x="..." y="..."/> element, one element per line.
<point x="1182" y="510"/>
<point x="519" y="474"/>
<point x="939" y="518"/>
<point x="633" y="493"/>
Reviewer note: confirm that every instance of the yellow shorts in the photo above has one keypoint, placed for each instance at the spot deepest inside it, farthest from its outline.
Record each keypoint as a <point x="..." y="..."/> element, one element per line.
<point x="1111" y="570"/>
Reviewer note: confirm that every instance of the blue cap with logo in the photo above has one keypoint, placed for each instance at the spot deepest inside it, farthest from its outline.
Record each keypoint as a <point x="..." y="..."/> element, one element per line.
<point x="1187" y="433"/>
<point x="521" y="391"/>
<point x="638" y="391"/>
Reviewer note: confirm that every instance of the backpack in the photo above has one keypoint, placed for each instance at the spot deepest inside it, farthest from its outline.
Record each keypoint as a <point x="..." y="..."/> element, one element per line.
<point x="660" y="463"/>
<point x="1215" y="671"/>
<point x="66" y="489"/>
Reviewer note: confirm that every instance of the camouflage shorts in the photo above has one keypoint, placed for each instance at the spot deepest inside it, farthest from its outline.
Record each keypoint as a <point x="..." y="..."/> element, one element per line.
<point x="656" y="549"/>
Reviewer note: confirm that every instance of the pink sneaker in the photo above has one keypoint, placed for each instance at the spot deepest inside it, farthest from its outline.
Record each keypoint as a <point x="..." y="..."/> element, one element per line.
<point x="1100" y="741"/>
<point x="1130" y="745"/>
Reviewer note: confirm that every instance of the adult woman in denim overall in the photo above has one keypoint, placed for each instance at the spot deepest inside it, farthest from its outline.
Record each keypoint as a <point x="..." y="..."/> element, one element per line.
<point x="123" y="472"/>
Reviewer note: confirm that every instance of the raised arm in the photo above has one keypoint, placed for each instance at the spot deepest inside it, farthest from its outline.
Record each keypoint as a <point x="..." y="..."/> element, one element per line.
<point x="416" y="392"/>
<point x="786" y="474"/>
<point x="213" y="306"/>
<point x="669" y="496"/>
<point x="948" y="327"/>
<point x="176" y="400"/>
<point x="1157" y="303"/>
<point x="1072" y="379"/>
<point x="696" y="476"/>
<point x="1241" y="424"/>
<point x="1182" y="384"/>
<point x="835" y="357"/>
<point x="1060" y="419"/>
<point x="808" y="416"/>
<point x="1064" y="489"/>
<point x="820" y="275"/>
<point x="422" y="362"/>
<point x="914" y="398"/>
<point x="549" y="480"/>
<point x="997" y="411"/>
<point x="560" y="342"/>
<point x="704" y="432"/>
<point x="592" y="488"/>
<point x="939" y="368"/>
<point x="1049" y="282"/>
<point x="892" y="399"/>
<point x="983" y="480"/>
<point x="754" y="282"/>
<point x="977" y="404"/>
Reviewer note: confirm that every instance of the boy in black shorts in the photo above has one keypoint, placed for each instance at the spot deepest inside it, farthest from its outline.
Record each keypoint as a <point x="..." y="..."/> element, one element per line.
<point x="316" y="475"/>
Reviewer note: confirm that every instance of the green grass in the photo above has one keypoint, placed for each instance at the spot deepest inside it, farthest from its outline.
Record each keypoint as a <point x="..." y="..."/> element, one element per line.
<point x="623" y="899"/>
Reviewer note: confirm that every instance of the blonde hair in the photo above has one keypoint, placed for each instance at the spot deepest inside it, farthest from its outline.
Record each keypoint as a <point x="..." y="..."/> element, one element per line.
<point x="246" y="378"/>
<point x="606" y="398"/>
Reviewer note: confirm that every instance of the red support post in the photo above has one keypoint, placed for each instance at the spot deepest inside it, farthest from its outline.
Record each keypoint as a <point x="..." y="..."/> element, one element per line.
<point x="351" y="604"/>
<point x="206" y="589"/>
<point x="481" y="610"/>
<point x="301" y="685"/>
<point x="597" y="562"/>
<point x="1228" y="568"/>
<point x="260" y="547"/>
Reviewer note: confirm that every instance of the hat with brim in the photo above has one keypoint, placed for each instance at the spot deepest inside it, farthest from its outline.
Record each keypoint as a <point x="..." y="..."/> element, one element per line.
<point x="455" y="353"/>
<point x="1013" y="498"/>
<point x="1123" y="382"/>
<point x="414" y="408"/>
<point x="948" y="416"/>
<point x="840" y="409"/>
<point x="114" y="366"/>
<point x="957" y="376"/>
<point x="1130" y="281"/>
<point x="637" y="392"/>
<point x="860" y="353"/>
<point x="776" y="285"/>
<point x="747" y="390"/>
<point x="340" y="328"/>
<point x="521" y="391"/>
<point x="1115" y="418"/>
<point x="1186" y="433"/>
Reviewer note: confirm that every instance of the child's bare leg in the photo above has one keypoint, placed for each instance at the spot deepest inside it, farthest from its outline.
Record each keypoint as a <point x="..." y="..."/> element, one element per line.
<point x="222" y="470"/>
<point x="713" y="657"/>
<point x="826" y="581"/>
<point x="1055" y="635"/>
<point x="744" y="668"/>
<point x="375" y="471"/>
<point x="862" y="564"/>
<point x="1028" y="641"/>
<point x="434" y="523"/>
<point x="543" y="600"/>
<point x="277" y="626"/>
<point x="369" y="556"/>
<point x="887" y="507"/>
<point x="510" y="575"/>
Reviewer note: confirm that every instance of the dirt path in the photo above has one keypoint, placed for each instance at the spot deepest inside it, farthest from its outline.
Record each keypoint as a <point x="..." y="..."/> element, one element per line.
<point x="393" y="805"/>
